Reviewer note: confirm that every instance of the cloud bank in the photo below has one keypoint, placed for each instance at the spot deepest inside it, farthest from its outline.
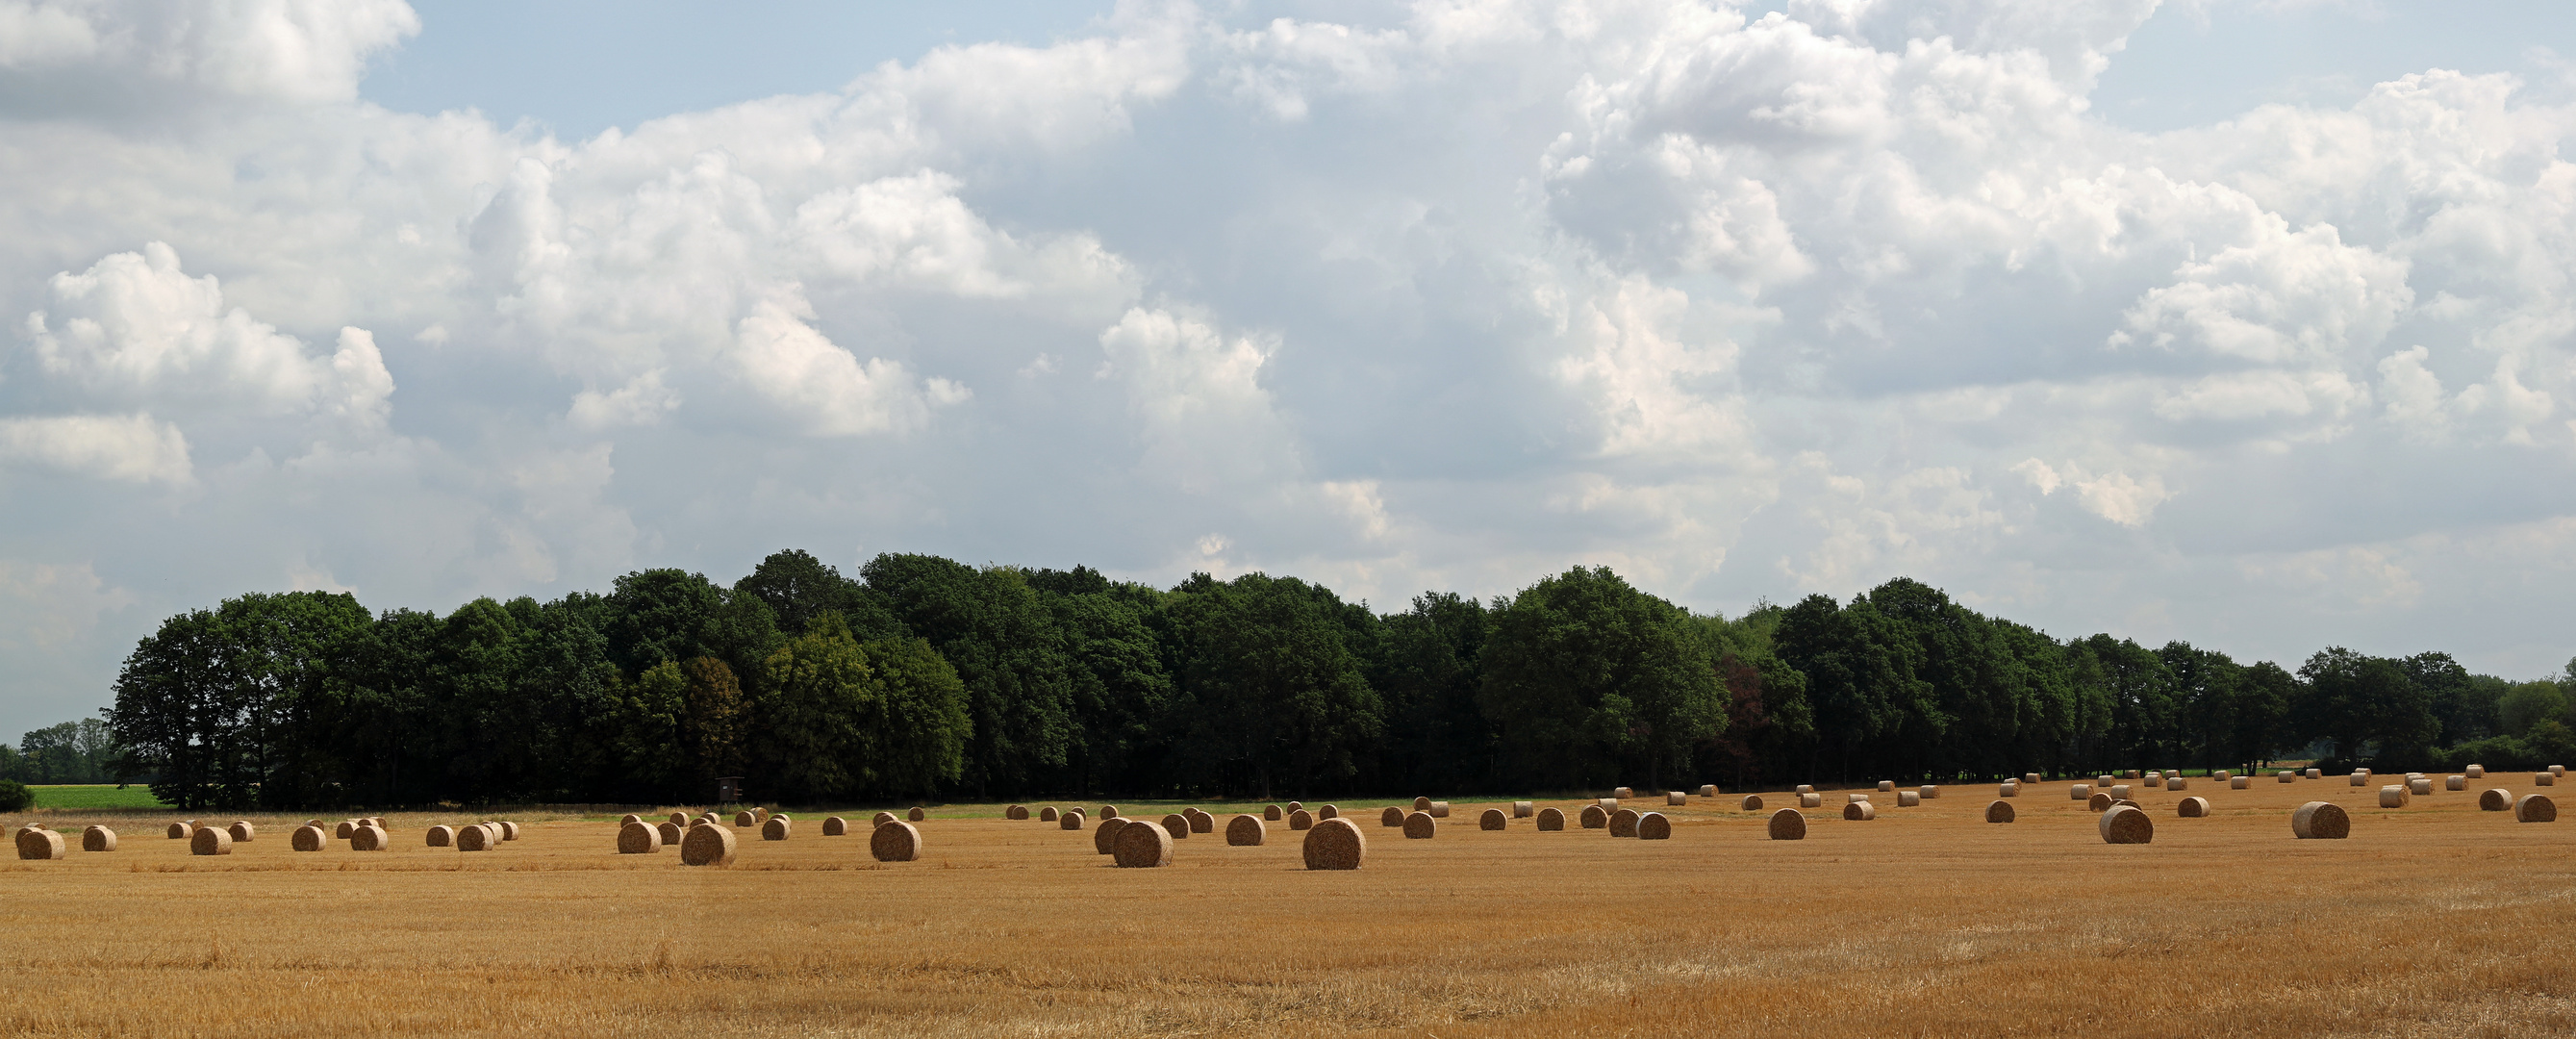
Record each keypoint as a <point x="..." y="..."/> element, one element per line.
<point x="1446" y="296"/>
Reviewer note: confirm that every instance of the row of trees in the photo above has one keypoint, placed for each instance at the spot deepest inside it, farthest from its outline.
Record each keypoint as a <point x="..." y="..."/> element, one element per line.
<point x="923" y="675"/>
<point x="81" y="751"/>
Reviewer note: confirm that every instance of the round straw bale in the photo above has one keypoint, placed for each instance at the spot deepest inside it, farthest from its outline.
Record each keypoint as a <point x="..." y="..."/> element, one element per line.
<point x="2316" y="773"/>
<point x="1419" y="826"/>
<point x="308" y="838"/>
<point x="38" y="843"/>
<point x="709" y="818"/>
<point x="1016" y="812"/>
<point x="2175" y="782"/>
<point x="1201" y="822"/>
<point x="2222" y="774"/>
<point x="2535" y="808"/>
<point x="1144" y="846"/>
<point x="2120" y="792"/>
<point x="2127" y="824"/>
<point x="1608" y="804"/>
<point x="1273" y="813"/>
<point x="1788" y="824"/>
<point x="707" y="846"/>
<point x="1492" y="819"/>
<point x="1623" y="792"/>
<point x="2030" y="777"/>
<point x="2099" y="802"/>
<point x="835" y="826"/>
<point x="2288" y="776"/>
<point x="370" y="838"/>
<point x="680" y="819"/>
<point x="1753" y="802"/>
<point x="916" y="814"/>
<point x="1335" y="844"/>
<point x="895" y="842"/>
<point x="1071" y="820"/>
<point x="2543" y="779"/>
<point x="1860" y="810"/>
<point x="2192" y="808"/>
<point x="1245" y="831"/>
<point x="2361" y="779"/>
<point x="745" y="819"/>
<point x="1806" y="788"/>
<point x="671" y="833"/>
<point x="2455" y="782"/>
<point x="342" y="832"/>
<point x="1392" y="817"/>
<point x="2557" y="770"/>
<point x="1887" y="786"/>
<point x="1439" y="809"/>
<point x="882" y="818"/>
<point x="1908" y="799"/>
<point x="1301" y="819"/>
<point x="477" y="837"/>
<point x="1523" y="809"/>
<point x="1179" y="825"/>
<point x="630" y="817"/>
<point x="1999" y="812"/>
<point x="1104" y="837"/>
<point x="2080" y="791"/>
<point x="2155" y="779"/>
<point x="2476" y="771"/>
<point x="1652" y="826"/>
<point x="1295" y="805"/>
<point x="2104" y="780"/>
<point x="98" y="838"/>
<point x="1422" y="804"/>
<point x="182" y="830"/>
<point x="1328" y="812"/>
<point x="1855" y="797"/>
<point x="243" y="831"/>
<point x="635" y="838"/>
<point x="509" y="830"/>
<point x="2495" y="800"/>
<point x="1811" y="799"/>
<point x="1675" y="797"/>
<point x="2008" y="789"/>
<point x="442" y="836"/>
<point x="2240" y="782"/>
<point x="1109" y="811"/>
<point x="1551" y="819"/>
<point x="208" y="840"/>
<point x="2419" y="787"/>
<point x="1594" y="817"/>
<point x="2320" y="820"/>
<point x="1929" y="793"/>
<point x="759" y="815"/>
<point x="1709" y="790"/>
<point x="776" y="829"/>
<point x="1047" y="814"/>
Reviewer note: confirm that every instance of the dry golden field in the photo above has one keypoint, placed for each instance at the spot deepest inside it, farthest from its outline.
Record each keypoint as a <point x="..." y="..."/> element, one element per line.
<point x="2434" y="919"/>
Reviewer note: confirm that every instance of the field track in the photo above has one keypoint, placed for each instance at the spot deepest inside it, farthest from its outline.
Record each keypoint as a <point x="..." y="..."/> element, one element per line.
<point x="2434" y="919"/>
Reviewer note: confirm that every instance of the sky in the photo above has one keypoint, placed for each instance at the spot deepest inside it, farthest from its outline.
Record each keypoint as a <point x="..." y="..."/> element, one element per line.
<point x="2241" y="324"/>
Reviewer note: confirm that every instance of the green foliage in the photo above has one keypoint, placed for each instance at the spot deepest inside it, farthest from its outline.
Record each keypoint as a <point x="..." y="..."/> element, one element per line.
<point x="95" y="796"/>
<point x="1270" y="693"/>
<point x="1589" y="678"/>
<point x="14" y="796"/>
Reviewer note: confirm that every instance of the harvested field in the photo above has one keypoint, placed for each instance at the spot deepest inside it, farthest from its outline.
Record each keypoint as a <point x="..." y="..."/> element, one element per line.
<point x="816" y="937"/>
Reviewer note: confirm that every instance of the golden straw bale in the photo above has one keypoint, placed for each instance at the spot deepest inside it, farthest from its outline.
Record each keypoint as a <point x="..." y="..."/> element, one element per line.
<point x="1523" y="809"/>
<point x="1930" y="793"/>
<point x="1788" y="824"/>
<point x="1422" y="804"/>
<point x="1753" y="802"/>
<point x="776" y="829"/>
<point x="1419" y="826"/>
<point x="1047" y="814"/>
<point x="1551" y="819"/>
<point x="347" y="829"/>
<point x="2192" y="808"/>
<point x="2320" y="820"/>
<point x="2030" y="777"/>
<point x="1999" y="812"/>
<point x="2543" y="779"/>
<point x="2361" y="779"/>
<point x="680" y="819"/>
<point x="1908" y="799"/>
<point x="1623" y="792"/>
<point x="2557" y="770"/>
<point x="2099" y="802"/>
<point x="509" y="830"/>
<point x="895" y="842"/>
<point x="2316" y="773"/>
<point x="1016" y="812"/>
<point x="36" y="843"/>
<point x="707" y="845"/>
<point x="1439" y="809"/>
<point x="1652" y="826"/>
<point x="2495" y="800"/>
<point x="1675" y="797"/>
<point x="208" y="840"/>
<point x="2155" y="780"/>
<point x="1295" y="805"/>
<point x="2176" y="782"/>
<point x="1847" y="798"/>
<point x="2392" y="797"/>
<point x="2455" y="782"/>
<point x="2288" y="776"/>
<point x="2127" y="824"/>
<point x="1806" y="788"/>
<point x="1072" y="820"/>
<point x="1104" y="837"/>
<point x="1328" y="812"/>
<point x="2240" y="782"/>
<point x="882" y="818"/>
<point x="671" y="833"/>
<point x="835" y="826"/>
<point x="308" y="838"/>
<point x="1144" y="846"/>
<point x="1594" y="818"/>
<point x="759" y="815"/>
<point x="2080" y="791"/>
<point x="916" y="814"/>
<point x="1811" y="799"/>
<point x="1273" y="813"/>
<point x="1608" y="804"/>
<point x="370" y="838"/>
<point x="98" y="838"/>
<point x="1109" y="811"/>
<point x="1860" y="810"/>
<point x="1392" y="817"/>
<point x="635" y="838"/>
<point x="1245" y="831"/>
<point x="2419" y="787"/>
<point x="2222" y="774"/>
<point x="1201" y="822"/>
<point x="1335" y="844"/>
<point x="1709" y="790"/>
<point x="2120" y="792"/>
<point x="2476" y="771"/>
<point x="1492" y="819"/>
<point x="183" y="829"/>
<point x="2008" y="789"/>
<point x="242" y="830"/>
<point x="442" y="836"/>
<point x="2130" y="774"/>
<point x="2105" y="780"/>
<point x="477" y="837"/>
<point x="1179" y="825"/>
<point x="1887" y="786"/>
<point x="745" y="819"/>
<point x="630" y="817"/>
<point x="1301" y="819"/>
<point x="2535" y="808"/>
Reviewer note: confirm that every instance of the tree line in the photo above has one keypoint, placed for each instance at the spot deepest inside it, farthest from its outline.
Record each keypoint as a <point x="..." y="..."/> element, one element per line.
<point x="924" y="676"/>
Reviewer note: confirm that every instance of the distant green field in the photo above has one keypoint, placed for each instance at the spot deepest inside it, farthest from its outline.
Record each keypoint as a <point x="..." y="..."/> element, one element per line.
<point x="103" y="795"/>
